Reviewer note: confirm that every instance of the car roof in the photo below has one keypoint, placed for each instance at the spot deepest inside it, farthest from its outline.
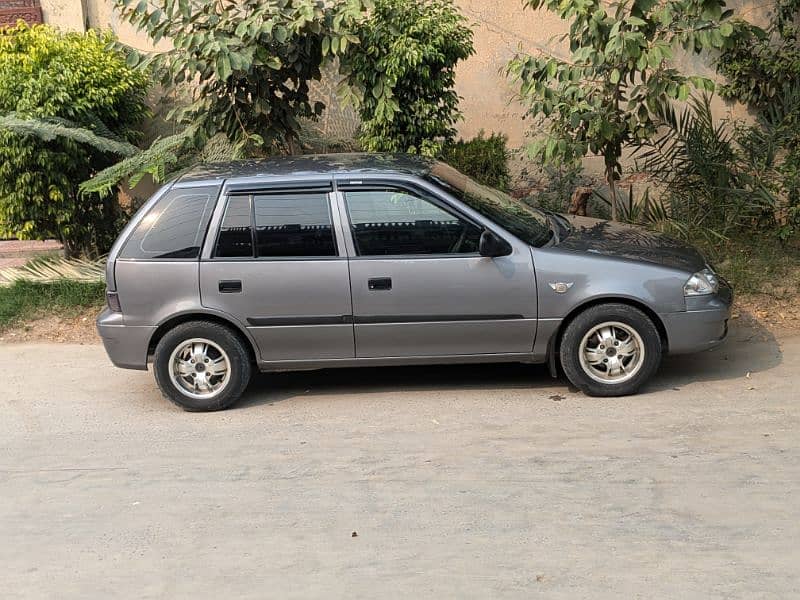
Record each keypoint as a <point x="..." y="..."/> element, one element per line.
<point x="311" y="165"/>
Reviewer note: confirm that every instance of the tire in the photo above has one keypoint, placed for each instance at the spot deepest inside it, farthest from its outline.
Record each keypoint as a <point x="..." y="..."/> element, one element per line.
<point x="596" y="350"/>
<point x="176" y="368"/>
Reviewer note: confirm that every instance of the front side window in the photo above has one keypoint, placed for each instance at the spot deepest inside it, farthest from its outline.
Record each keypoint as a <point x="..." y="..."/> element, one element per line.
<point x="280" y="224"/>
<point x="395" y="222"/>
<point x="174" y="227"/>
<point x="527" y="223"/>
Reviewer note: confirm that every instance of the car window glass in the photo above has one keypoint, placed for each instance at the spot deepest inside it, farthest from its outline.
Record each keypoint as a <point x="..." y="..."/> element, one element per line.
<point x="515" y="215"/>
<point x="293" y="224"/>
<point x="174" y="228"/>
<point x="393" y="221"/>
<point x="235" y="234"/>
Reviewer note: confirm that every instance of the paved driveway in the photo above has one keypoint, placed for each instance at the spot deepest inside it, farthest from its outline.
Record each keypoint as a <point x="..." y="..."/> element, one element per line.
<point x="451" y="482"/>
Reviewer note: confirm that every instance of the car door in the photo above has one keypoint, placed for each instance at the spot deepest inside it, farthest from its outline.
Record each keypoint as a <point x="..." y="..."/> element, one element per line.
<point x="279" y="267"/>
<point x="419" y="285"/>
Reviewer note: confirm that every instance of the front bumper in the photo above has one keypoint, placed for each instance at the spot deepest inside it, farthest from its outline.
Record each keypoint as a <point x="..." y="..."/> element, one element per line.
<point x="695" y="331"/>
<point x="702" y="326"/>
<point x="125" y="345"/>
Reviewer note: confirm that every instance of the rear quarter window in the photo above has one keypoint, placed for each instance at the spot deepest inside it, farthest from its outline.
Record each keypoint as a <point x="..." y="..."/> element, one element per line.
<point x="175" y="227"/>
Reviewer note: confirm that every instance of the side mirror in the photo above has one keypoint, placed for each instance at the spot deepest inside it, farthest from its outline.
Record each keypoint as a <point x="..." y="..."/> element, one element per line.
<point x="491" y="245"/>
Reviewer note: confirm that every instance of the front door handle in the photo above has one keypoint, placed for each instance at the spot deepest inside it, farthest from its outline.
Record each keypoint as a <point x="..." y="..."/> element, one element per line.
<point x="380" y="283"/>
<point x="230" y="287"/>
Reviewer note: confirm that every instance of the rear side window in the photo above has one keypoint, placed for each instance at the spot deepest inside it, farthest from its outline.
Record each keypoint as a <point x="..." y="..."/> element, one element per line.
<point x="236" y="232"/>
<point x="277" y="225"/>
<point x="293" y="225"/>
<point x="174" y="228"/>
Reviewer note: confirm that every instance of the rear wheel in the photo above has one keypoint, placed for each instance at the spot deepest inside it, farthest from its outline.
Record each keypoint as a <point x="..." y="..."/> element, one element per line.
<point x="610" y="350"/>
<point x="202" y="366"/>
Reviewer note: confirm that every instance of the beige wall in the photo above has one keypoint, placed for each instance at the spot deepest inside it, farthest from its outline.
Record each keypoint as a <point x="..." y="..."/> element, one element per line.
<point x="502" y="29"/>
<point x="67" y="14"/>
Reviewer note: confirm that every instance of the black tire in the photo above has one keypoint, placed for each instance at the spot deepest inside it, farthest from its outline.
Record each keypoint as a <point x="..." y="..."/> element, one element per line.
<point x="582" y="324"/>
<point x="238" y="357"/>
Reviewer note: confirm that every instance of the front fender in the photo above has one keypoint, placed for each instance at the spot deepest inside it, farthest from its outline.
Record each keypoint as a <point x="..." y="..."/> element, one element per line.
<point x="595" y="277"/>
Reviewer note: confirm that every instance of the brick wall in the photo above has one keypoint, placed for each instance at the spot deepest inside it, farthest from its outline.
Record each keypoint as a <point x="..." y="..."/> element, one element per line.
<point x="13" y="10"/>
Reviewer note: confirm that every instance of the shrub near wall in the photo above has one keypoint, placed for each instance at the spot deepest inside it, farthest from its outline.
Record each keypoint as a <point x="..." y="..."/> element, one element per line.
<point x="62" y="78"/>
<point x="402" y="75"/>
<point x="485" y="159"/>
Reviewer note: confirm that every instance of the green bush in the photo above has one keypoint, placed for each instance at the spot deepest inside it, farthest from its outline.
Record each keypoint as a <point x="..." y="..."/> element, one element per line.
<point x="403" y="74"/>
<point x="709" y="180"/>
<point x="244" y="71"/>
<point x="485" y="159"/>
<point x="763" y="71"/>
<point x="52" y="79"/>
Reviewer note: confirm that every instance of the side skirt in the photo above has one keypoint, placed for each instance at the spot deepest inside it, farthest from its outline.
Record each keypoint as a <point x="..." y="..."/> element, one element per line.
<point x="292" y="365"/>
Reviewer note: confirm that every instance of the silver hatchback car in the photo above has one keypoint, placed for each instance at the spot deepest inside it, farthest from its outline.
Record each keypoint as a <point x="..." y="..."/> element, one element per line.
<point x="362" y="259"/>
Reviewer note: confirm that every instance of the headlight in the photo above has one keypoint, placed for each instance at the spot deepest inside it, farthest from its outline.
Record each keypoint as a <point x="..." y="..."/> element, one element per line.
<point x="701" y="283"/>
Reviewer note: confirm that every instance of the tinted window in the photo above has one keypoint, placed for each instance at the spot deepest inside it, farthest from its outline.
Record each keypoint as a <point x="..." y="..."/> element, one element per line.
<point x="293" y="225"/>
<point x="235" y="234"/>
<point x="175" y="226"/>
<point x="527" y="223"/>
<point x="393" y="221"/>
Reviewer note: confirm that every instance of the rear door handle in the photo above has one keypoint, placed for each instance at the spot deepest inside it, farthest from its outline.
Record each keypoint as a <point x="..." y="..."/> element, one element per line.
<point x="380" y="283"/>
<point x="230" y="287"/>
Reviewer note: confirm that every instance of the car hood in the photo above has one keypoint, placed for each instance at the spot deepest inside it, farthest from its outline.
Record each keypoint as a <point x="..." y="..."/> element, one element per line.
<point x="627" y="241"/>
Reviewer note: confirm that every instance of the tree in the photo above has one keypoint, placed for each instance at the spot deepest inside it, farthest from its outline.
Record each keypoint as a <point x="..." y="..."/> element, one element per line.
<point x="239" y="69"/>
<point x="607" y="94"/>
<point x="402" y="75"/>
<point x="763" y="71"/>
<point x="68" y="108"/>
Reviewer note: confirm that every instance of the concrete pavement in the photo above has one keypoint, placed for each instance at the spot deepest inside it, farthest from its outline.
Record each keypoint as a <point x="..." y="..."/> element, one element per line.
<point x="459" y="482"/>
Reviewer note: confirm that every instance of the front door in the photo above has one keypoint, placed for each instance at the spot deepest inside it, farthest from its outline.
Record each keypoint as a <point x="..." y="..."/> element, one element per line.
<point x="277" y="267"/>
<point x="420" y="287"/>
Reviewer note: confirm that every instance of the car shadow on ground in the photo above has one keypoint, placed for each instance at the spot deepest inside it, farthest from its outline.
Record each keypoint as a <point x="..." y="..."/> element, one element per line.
<point x="749" y="348"/>
<point x="268" y="388"/>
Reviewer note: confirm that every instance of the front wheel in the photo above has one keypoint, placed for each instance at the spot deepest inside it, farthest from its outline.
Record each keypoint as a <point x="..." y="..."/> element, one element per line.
<point x="610" y="350"/>
<point x="201" y="366"/>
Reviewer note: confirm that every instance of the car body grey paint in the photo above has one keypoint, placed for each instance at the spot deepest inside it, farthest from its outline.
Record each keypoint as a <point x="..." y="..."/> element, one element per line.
<point x="126" y="345"/>
<point x="116" y="248"/>
<point x="461" y="287"/>
<point x="286" y="289"/>
<point x="603" y="261"/>
<point x="619" y="240"/>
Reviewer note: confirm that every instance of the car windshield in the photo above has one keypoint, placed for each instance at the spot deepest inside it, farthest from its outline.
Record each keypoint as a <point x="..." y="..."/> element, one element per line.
<point x="524" y="221"/>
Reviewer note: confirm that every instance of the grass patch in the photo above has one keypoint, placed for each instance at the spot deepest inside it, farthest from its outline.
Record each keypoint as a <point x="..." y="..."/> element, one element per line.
<point x="759" y="266"/>
<point x="24" y="300"/>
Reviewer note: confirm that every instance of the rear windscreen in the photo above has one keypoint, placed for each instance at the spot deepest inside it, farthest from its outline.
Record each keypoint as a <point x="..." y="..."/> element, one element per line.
<point x="175" y="227"/>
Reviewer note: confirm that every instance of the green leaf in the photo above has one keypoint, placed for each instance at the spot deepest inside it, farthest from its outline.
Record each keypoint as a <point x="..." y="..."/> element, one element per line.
<point x="280" y="33"/>
<point x="377" y="89"/>
<point x="223" y="67"/>
<point x="615" y="76"/>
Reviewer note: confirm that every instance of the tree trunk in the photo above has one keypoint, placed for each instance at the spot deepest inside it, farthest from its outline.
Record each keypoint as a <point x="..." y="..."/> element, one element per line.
<point x="71" y="250"/>
<point x="577" y="204"/>
<point x="612" y="186"/>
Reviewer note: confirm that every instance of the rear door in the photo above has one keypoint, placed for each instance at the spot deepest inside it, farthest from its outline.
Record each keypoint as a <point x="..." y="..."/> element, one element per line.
<point x="419" y="285"/>
<point x="278" y="265"/>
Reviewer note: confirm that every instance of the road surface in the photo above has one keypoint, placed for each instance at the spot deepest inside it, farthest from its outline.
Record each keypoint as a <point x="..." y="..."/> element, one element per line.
<point x="436" y="482"/>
